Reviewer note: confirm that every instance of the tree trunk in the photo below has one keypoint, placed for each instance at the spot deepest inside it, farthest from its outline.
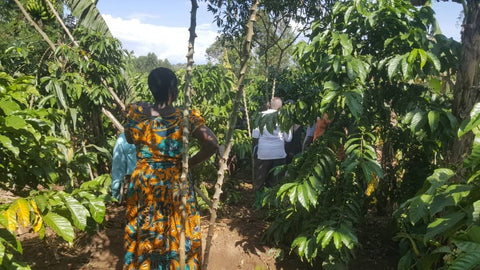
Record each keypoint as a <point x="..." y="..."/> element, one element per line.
<point x="228" y="138"/>
<point x="466" y="91"/>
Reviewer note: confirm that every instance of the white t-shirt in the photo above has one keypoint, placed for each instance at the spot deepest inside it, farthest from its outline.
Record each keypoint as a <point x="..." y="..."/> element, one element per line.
<point x="271" y="146"/>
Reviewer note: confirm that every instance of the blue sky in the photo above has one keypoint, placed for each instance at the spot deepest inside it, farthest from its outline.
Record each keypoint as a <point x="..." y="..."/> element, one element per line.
<point x="161" y="26"/>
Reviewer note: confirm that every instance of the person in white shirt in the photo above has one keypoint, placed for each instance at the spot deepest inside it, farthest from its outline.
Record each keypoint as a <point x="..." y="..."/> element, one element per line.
<point x="270" y="150"/>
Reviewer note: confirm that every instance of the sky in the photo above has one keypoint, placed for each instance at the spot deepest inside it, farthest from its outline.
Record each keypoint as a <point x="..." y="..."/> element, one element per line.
<point x="161" y="26"/>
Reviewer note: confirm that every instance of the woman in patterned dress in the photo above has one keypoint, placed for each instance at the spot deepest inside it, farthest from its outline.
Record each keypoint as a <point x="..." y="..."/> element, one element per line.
<point x="152" y="233"/>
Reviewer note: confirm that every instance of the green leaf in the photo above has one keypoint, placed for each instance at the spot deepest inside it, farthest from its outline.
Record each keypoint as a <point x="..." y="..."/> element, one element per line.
<point x="433" y="120"/>
<point x="327" y="238"/>
<point x="412" y="55"/>
<point x="442" y="224"/>
<point x="77" y="210"/>
<point x="346" y="43"/>
<point x="473" y="160"/>
<point x="469" y="259"/>
<point x="423" y="58"/>
<point x="439" y="178"/>
<point x="331" y="85"/>
<point x="10" y="239"/>
<point x="472" y="122"/>
<point x="328" y="98"/>
<point x="418" y="208"/>
<point x="354" y="103"/>
<point x="418" y="121"/>
<point x="393" y="65"/>
<point x="436" y="63"/>
<point x="302" y="197"/>
<point x="15" y="122"/>
<point x="476" y="211"/>
<point x="9" y="106"/>
<point x="450" y="197"/>
<point x="7" y="143"/>
<point x="60" y="225"/>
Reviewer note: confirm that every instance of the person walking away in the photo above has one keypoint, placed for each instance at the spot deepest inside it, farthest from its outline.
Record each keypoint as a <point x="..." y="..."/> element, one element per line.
<point x="271" y="152"/>
<point x="124" y="160"/>
<point x="152" y="233"/>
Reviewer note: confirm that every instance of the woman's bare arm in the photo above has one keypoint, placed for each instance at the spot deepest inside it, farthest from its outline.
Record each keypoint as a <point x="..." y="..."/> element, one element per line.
<point x="208" y="145"/>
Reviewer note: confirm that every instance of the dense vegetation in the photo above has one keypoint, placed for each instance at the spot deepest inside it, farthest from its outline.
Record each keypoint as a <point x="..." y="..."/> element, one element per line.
<point x="391" y="83"/>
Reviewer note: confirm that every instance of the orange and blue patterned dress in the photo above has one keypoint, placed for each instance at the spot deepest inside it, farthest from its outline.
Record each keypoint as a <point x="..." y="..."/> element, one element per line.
<point x="152" y="233"/>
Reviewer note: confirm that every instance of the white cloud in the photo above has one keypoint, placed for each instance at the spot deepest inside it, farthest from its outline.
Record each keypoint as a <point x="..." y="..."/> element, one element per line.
<point x="166" y="42"/>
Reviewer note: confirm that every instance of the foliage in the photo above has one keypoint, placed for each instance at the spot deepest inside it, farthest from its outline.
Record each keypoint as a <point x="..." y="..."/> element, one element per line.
<point x="439" y="226"/>
<point x="31" y="150"/>
<point x="60" y="211"/>
<point x="144" y="64"/>
<point x="368" y="67"/>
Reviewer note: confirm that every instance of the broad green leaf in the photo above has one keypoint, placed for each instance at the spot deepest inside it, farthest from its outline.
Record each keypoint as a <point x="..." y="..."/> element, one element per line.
<point x="346" y="43"/>
<point x="2" y="252"/>
<point x="439" y="178"/>
<point x="405" y="66"/>
<point x="436" y="63"/>
<point x="473" y="160"/>
<point x="354" y="103"/>
<point x="418" y="208"/>
<point x="393" y="65"/>
<point x="470" y="258"/>
<point x="10" y="239"/>
<point x="15" y="122"/>
<point x="418" y="121"/>
<point x="77" y="210"/>
<point x="412" y="56"/>
<point x="60" y="225"/>
<point x="423" y="58"/>
<point x="337" y="240"/>
<point x="301" y="243"/>
<point x="327" y="238"/>
<point x="7" y="143"/>
<point x="433" y="120"/>
<point x="328" y="98"/>
<point x="9" y="106"/>
<point x="302" y="197"/>
<point x="450" y="197"/>
<point x="293" y="194"/>
<point x="476" y="211"/>
<point x="97" y="210"/>
<point x="472" y="122"/>
<point x="310" y="192"/>
<point x="284" y="189"/>
<point x="473" y="233"/>
<point x="442" y="224"/>
<point x="331" y="85"/>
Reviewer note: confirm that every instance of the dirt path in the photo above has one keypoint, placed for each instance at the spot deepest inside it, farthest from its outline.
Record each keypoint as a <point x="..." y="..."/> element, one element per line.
<point x="237" y="244"/>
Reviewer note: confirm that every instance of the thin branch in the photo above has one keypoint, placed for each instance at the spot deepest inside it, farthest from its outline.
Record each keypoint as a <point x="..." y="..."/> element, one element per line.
<point x="186" y="132"/>
<point x="228" y="138"/>
<point x="35" y="25"/>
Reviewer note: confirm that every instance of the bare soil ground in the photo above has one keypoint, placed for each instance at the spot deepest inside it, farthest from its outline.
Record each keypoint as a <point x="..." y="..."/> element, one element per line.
<point x="236" y="244"/>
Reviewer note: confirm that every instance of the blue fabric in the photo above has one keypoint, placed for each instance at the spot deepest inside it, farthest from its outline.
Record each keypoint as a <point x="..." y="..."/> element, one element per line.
<point x="124" y="162"/>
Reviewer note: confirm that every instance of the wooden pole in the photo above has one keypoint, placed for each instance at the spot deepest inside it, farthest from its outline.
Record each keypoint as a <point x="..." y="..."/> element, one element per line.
<point x="228" y="138"/>
<point x="186" y="132"/>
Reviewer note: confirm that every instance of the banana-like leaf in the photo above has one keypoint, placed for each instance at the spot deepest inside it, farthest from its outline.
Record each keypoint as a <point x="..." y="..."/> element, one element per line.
<point x="89" y="16"/>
